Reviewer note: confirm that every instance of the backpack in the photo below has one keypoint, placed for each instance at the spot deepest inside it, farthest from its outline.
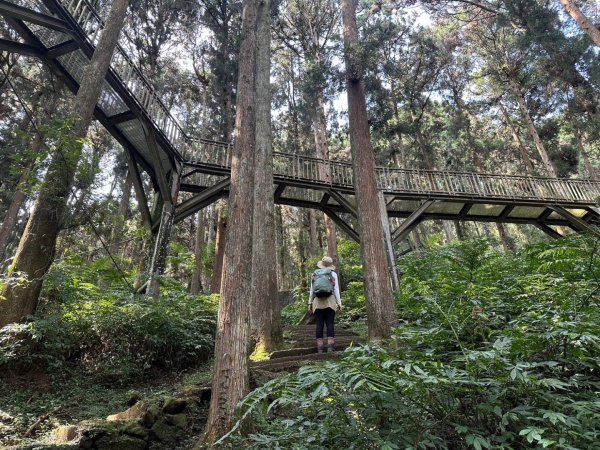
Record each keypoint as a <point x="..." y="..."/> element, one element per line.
<point x="322" y="283"/>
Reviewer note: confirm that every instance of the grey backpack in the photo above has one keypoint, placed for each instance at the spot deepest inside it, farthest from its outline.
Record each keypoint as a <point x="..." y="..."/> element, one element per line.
<point x="322" y="283"/>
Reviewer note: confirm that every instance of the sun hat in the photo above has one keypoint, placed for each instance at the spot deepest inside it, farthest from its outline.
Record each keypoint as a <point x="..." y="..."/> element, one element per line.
<point x="326" y="263"/>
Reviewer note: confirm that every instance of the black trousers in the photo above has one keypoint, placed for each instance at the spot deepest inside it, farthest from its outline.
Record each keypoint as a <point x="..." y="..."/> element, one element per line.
<point x="324" y="316"/>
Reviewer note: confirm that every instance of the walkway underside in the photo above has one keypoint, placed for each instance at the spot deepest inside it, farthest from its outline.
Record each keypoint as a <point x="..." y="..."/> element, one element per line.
<point x="192" y="173"/>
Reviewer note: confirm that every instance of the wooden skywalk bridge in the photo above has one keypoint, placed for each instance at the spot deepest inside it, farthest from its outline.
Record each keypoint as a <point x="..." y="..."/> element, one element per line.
<point x="190" y="173"/>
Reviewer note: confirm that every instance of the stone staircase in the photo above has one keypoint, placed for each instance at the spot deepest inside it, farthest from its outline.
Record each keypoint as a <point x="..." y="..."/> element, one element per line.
<point x="303" y="351"/>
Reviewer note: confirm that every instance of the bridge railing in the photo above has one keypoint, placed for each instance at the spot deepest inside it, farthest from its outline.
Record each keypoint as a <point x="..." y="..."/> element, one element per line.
<point x="327" y="172"/>
<point x="88" y="19"/>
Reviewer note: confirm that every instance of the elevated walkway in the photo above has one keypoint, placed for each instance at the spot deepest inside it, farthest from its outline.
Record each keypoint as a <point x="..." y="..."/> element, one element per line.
<point x="63" y="33"/>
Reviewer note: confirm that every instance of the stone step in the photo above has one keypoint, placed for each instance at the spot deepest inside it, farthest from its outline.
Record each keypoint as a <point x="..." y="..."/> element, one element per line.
<point x="307" y="350"/>
<point x="292" y="362"/>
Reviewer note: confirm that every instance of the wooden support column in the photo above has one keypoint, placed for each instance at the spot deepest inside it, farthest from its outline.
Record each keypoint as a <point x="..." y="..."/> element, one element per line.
<point x="389" y="246"/>
<point x="410" y="222"/>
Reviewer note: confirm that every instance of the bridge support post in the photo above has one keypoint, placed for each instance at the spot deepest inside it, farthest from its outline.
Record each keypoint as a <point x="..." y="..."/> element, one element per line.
<point x="389" y="247"/>
<point x="163" y="237"/>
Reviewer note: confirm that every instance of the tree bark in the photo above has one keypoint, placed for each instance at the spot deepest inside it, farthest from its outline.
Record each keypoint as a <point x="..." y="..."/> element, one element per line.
<point x="381" y="314"/>
<point x="230" y="380"/>
<point x="196" y="285"/>
<point x="514" y="85"/>
<point x="219" y="250"/>
<point x="123" y="214"/>
<point x="265" y="318"/>
<point x="313" y="235"/>
<point x="584" y="23"/>
<point x="37" y="247"/>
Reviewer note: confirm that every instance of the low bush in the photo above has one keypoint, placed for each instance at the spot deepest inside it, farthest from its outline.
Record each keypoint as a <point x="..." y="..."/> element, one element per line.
<point x="496" y="351"/>
<point x="111" y="334"/>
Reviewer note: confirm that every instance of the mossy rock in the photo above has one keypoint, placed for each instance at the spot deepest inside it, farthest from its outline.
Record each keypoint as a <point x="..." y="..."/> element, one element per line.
<point x="164" y="431"/>
<point x="135" y="429"/>
<point x="179" y="420"/>
<point x="174" y="405"/>
<point x="151" y="416"/>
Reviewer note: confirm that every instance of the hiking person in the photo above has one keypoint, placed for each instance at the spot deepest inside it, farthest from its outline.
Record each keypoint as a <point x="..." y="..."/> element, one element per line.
<point x="324" y="300"/>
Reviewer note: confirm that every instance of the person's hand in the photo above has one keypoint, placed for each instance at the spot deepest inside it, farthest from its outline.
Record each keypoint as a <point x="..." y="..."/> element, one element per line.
<point x="310" y="310"/>
<point x="340" y="308"/>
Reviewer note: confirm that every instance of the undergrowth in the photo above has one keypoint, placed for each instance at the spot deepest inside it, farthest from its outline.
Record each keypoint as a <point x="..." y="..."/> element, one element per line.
<point x="494" y="351"/>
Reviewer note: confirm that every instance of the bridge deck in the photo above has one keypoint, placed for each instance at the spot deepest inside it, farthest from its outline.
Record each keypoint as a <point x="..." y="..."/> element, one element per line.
<point x="64" y="33"/>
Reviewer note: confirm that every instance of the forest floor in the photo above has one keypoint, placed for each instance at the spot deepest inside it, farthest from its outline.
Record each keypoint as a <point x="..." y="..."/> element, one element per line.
<point x="52" y="400"/>
<point x="61" y="399"/>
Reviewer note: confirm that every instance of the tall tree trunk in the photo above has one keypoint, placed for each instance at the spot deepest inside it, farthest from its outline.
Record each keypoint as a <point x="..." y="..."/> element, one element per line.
<point x="196" y="285"/>
<point x="38" y="243"/>
<point x="322" y="146"/>
<point x="519" y="144"/>
<point x="460" y="233"/>
<point x="230" y="380"/>
<point x="281" y="245"/>
<point x="381" y="314"/>
<point x="313" y="234"/>
<point x="514" y="85"/>
<point x="265" y="317"/>
<point x="219" y="250"/>
<point x="584" y="23"/>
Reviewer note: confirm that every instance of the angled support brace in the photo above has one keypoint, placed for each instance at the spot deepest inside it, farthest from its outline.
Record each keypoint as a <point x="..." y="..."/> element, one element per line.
<point x="410" y="222"/>
<point x="62" y="49"/>
<point x="343" y="202"/>
<point x="9" y="9"/>
<point x="199" y="201"/>
<point x="342" y="224"/>
<point x="7" y="45"/>
<point x="278" y="192"/>
<point x="549" y="231"/>
<point x="159" y="170"/>
<point x="138" y="187"/>
<point x="578" y="224"/>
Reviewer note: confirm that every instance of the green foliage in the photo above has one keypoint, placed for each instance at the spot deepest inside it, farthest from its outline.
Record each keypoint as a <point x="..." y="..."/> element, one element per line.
<point x="496" y="351"/>
<point x="111" y="334"/>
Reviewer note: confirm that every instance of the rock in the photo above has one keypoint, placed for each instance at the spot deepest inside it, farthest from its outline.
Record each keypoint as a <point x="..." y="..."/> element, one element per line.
<point x="133" y="397"/>
<point x="64" y="434"/>
<point x="174" y="405"/>
<point x="135" y="429"/>
<point x="151" y="416"/>
<point x="164" y="431"/>
<point x="179" y="420"/>
<point x="136" y="412"/>
<point x="121" y="442"/>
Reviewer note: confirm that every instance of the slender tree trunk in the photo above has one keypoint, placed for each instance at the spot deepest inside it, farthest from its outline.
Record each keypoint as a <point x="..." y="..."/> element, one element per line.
<point x="584" y="23"/>
<point x="381" y="314"/>
<point x="196" y="285"/>
<point x="322" y="146"/>
<point x="38" y="243"/>
<point x="507" y="244"/>
<point x="219" y="250"/>
<point x="313" y="235"/>
<point x="532" y="130"/>
<point x="529" y="170"/>
<point x="586" y="159"/>
<point x="117" y="234"/>
<point x="265" y="317"/>
<point x="281" y="245"/>
<point x="230" y="380"/>
<point x="460" y="233"/>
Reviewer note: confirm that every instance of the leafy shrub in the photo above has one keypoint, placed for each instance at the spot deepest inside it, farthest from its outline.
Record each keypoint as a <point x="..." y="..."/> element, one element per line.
<point x="110" y="334"/>
<point x="496" y="351"/>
